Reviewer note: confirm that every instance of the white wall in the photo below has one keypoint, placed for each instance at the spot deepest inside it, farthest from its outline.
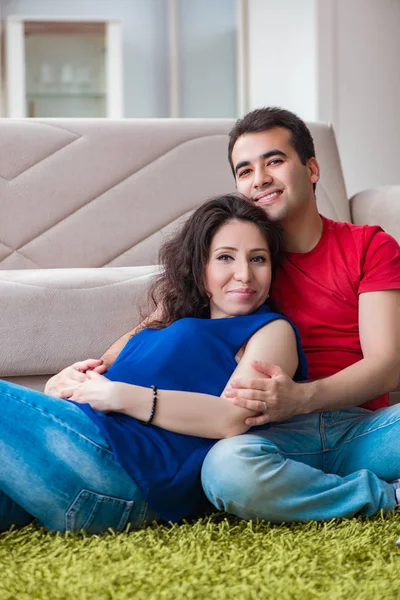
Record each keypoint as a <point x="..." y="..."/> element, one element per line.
<point x="145" y="43"/>
<point x="282" y="66"/>
<point x="207" y="40"/>
<point x="367" y="111"/>
<point x="338" y="61"/>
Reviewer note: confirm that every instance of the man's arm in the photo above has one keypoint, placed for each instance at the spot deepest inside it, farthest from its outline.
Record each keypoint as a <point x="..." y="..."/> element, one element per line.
<point x="111" y="354"/>
<point x="62" y="384"/>
<point x="378" y="372"/>
<point x="375" y="374"/>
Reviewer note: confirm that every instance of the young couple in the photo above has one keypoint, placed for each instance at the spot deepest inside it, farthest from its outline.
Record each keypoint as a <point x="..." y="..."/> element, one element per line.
<point x="131" y="443"/>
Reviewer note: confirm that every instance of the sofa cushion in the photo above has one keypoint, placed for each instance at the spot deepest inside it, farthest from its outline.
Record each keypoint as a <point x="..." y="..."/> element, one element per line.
<point x="54" y="317"/>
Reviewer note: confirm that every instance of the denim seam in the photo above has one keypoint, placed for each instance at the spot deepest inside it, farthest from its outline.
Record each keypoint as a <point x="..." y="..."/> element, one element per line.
<point x="321" y="432"/>
<point x="143" y="513"/>
<point x="71" y="511"/>
<point x="363" y="434"/>
<point x="62" y="423"/>
<point x="333" y="449"/>
<point x="324" y="451"/>
<point x="129" y="506"/>
<point x="99" y="499"/>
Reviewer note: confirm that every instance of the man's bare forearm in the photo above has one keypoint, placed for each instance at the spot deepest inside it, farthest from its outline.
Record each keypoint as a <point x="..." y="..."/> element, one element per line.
<point x="112" y="352"/>
<point x="355" y="385"/>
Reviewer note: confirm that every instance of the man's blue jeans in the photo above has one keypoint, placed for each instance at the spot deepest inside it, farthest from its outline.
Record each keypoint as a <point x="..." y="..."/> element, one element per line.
<point x="317" y="466"/>
<point x="56" y="466"/>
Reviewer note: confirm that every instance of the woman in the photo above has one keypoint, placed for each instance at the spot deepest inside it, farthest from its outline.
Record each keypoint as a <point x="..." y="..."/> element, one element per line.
<point x="130" y="445"/>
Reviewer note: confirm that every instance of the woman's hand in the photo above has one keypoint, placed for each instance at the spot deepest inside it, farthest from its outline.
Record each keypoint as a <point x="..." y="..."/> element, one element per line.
<point x="62" y="384"/>
<point x="98" y="391"/>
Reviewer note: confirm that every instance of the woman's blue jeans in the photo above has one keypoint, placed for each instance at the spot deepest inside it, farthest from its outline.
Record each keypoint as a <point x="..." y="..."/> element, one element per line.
<point x="56" y="466"/>
<point x="316" y="466"/>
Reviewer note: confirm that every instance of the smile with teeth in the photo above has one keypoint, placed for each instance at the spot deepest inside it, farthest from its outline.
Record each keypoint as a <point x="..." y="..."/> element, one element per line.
<point x="265" y="199"/>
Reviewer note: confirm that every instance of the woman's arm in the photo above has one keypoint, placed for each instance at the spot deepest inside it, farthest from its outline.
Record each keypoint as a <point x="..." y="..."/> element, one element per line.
<point x="190" y="413"/>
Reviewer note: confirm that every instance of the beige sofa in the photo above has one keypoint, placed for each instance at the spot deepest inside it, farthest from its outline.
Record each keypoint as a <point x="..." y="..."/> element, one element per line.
<point x="76" y="195"/>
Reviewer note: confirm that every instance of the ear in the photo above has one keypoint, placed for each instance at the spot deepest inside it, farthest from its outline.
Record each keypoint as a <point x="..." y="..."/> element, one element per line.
<point x="313" y="167"/>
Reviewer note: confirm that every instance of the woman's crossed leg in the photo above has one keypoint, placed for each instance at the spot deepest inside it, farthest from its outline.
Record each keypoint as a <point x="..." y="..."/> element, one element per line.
<point x="57" y="467"/>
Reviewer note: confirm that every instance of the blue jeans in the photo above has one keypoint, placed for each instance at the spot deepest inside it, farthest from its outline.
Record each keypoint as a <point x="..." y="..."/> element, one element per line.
<point x="56" y="466"/>
<point x="316" y="466"/>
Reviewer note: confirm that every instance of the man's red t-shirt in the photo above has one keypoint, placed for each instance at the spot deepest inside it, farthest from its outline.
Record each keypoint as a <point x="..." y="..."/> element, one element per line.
<point x="319" y="290"/>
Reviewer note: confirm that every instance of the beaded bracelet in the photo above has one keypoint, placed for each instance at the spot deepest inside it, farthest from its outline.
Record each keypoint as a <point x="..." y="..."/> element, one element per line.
<point x="153" y="407"/>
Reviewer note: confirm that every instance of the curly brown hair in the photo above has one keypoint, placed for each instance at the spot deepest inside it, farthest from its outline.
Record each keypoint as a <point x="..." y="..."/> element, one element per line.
<point x="180" y="287"/>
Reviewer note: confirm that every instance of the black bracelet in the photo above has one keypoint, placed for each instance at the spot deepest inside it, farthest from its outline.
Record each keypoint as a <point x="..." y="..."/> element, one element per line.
<point x="153" y="407"/>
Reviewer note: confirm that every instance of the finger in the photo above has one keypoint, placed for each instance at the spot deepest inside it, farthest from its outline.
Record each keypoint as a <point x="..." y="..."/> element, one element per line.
<point x="265" y="368"/>
<point x="261" y="395"/>
<point x="89" y="363"/>
<point x="259" y="406"/>
<point x="75" y="376"/>
<point x="256" y="383"/>
<point x="66" y="393"/>
<point x="260" y="420"/>
<point x="94" y="375"/>
<point x="100" y="369"/>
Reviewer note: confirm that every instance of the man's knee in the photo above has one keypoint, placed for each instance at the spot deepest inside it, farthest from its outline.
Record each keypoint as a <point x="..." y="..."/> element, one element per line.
<point x="230" y="471"/>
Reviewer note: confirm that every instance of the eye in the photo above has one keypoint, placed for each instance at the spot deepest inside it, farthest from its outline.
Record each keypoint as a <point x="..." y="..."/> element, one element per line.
<point x="224" y="257"/>
<point x="244" y="173"/>
<point x="259" y="259"/>
<point x="275" y="161"/>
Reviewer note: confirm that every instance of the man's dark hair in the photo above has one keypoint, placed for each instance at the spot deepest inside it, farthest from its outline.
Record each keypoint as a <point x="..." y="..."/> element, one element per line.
<point x="263" y="119"/>
<point x="180" y="287"/>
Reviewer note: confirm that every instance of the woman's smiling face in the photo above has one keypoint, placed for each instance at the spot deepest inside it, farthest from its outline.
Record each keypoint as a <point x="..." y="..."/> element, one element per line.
<point x="238" y="270"/>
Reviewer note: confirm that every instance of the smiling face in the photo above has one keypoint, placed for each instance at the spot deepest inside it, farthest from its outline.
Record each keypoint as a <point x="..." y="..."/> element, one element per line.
<point x="238" y="271"/>
<point x="268" y="171"/>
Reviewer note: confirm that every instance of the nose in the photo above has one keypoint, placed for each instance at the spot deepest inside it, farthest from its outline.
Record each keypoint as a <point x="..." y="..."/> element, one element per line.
<point x="262" y="177"/>
<point x="243" y="271"/>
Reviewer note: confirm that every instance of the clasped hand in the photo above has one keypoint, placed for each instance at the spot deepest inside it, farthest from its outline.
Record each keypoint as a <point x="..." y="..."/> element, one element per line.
<point x="98" y="391"/>
<point x="83" y="382"/>
<point x="275" y="395"/>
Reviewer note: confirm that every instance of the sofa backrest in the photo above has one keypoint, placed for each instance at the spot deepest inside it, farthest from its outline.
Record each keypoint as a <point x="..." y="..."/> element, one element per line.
<point x="103" y="193"/>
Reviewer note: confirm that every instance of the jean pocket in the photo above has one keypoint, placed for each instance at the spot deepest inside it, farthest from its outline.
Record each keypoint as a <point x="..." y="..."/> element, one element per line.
<point x="96" y="513"/>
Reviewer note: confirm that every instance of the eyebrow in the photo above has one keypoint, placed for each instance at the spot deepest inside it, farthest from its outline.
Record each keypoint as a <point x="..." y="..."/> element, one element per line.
<point x="235" y="249"/>
<point x="275" y="152"/>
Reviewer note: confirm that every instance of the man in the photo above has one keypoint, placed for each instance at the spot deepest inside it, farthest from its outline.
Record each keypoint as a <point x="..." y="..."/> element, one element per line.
<point x="340" y="285"/>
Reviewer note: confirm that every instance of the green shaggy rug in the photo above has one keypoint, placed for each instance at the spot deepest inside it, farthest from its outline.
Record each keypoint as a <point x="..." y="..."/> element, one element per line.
<point x="215" y="557"/>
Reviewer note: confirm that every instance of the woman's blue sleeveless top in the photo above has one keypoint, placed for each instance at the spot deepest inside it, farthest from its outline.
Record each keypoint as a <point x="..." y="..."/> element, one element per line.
<point x="193" y="355"/>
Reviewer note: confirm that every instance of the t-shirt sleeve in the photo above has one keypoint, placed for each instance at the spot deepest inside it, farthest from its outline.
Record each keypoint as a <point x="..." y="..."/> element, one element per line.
<point x="381" y="262"/>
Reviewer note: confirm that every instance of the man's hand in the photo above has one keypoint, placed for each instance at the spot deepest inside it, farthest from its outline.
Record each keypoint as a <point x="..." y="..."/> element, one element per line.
<point x="98" y="391"/>
<point x="62" y="384"/>
<point x="275" y="395"/>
